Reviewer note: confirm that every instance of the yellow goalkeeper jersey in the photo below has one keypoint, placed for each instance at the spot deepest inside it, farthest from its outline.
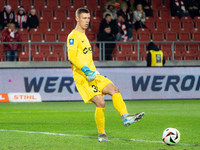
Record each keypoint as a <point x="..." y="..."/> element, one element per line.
<point x="79" y="52"/>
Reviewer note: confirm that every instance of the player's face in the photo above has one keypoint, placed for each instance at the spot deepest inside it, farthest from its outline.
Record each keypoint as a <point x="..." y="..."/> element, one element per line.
<point x="84" y="20"/>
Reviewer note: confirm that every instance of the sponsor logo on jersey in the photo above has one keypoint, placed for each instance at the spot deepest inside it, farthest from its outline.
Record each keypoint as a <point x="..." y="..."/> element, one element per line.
<point x="86" y="50"/>
<point x="71" y="41"/>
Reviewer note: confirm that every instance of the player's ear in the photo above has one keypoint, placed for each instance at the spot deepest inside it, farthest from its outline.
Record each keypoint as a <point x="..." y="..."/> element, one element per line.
<point x="77" y="19"/>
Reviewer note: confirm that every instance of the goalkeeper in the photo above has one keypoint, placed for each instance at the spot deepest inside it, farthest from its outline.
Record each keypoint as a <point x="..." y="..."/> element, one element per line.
<point x="91" y="85"/>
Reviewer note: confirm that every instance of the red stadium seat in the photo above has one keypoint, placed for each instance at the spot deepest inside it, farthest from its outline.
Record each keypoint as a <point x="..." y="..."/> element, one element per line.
<point x="143" y="34"/>
<point x="189" y="55"/>
<point x="62" y="37"/>
<point x="95" y="26"/>
<point x="150" y="25"/>
<point x="43" y="25"/>
<point x="197" y="21"/>
<point x="13" y="3"/>
<point x="157" y="35"/>
<point x="39" y="3"/>
<point x="174" y="23"/>
<point x="53" y="3"/>
<point x="95" y="19"/>
<point x="164" y="13"/>
<point x="155" y="14"/>
<point x="156" y="3"/>
<point x="24" y="37"/>
<point x="65" y="3"/>
<point x="95" y="57"/>
<point x="69" y="26"/>
<point x="120" y="56"/>
<point x="38" y="58"/>
<point x="71" y="13"/>
<point x="77" y="4"/>
<point x="142" y="50"/>
<point x="162" y="7"/>
<point x="166" y="55"/>
<point x="167" y="50"/>
<point x="98" y="13"/>
<point x="60" y="14"/>
<point x="44" y="48"/>
<point x="195" y="34"/>
<point x="94" y="47"/>
<point x="92" y="5"/>
<point x="3" y="3"/>
<point x="23" y="56"/>
<point x="161" y="23"/>
<point x="177" y="55"/>
<point x="47" y="14"/>
<point x="184" y="35"/>
<point x="125" y="47"/>
<point x="193" y="47"/>
<point x="180" y="47"/>
<point x="50" y="37"/>
<point x="52" y="56"/>
<point x="133" y="55"/>
<point x="26" y="3"/>
<point x="56" y="25"/>
<point x="58" y="48"/>
<point x="36" y="37"/>
<point x="170" y="35"/>
<point x="33" y="48"/>
<point x="91" y="37"/>
<point x="187" y="23"/>
<point x="198" y="55"/>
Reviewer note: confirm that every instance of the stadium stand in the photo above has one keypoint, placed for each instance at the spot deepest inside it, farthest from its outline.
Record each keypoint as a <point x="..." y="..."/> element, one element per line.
<point x="56" y="19"/>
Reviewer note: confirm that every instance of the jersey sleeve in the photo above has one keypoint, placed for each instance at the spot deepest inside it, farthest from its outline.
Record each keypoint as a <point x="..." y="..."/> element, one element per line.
<point x="72" y="45"/>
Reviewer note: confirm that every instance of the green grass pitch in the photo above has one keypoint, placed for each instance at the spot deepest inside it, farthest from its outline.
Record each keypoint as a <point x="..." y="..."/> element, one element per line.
<point x="71" y="125"/>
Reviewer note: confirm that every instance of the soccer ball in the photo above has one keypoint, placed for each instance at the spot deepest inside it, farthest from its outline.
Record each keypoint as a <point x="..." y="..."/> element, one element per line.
<point x="171" y="136"/>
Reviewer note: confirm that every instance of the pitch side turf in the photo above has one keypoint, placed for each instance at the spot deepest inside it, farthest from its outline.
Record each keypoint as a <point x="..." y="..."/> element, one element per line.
<point x="71" y="125"/>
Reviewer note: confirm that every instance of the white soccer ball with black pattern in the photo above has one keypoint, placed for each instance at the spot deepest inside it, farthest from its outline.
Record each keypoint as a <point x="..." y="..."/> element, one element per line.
<point x="171" y="136"/>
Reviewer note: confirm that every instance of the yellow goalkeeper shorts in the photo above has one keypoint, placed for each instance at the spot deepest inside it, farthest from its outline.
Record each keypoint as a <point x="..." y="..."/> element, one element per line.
<point x="88" y="90"/>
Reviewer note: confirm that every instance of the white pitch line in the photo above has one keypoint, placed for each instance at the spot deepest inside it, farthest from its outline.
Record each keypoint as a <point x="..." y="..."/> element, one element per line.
<point x="19" y="112"/>
<point x="86" y="136"/>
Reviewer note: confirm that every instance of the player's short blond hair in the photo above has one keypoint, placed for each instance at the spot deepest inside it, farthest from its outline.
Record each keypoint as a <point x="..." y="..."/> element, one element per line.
<point x="80" y="11"/>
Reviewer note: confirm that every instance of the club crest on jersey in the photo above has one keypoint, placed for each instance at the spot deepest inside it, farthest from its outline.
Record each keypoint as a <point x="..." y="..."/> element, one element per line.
<point x="71" y="41"/>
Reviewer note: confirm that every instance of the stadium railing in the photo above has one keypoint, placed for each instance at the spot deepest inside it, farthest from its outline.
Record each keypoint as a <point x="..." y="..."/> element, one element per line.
<point x="138" y="48"/>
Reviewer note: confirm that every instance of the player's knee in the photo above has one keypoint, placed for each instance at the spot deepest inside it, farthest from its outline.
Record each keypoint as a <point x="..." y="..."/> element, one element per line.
<point x="102" y="104"/>
<point x="116" y="90"/>
<point x="100" y="101"/>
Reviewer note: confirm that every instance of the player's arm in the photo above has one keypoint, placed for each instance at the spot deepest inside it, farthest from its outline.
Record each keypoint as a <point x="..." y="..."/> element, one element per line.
<point x="72" y="55"/>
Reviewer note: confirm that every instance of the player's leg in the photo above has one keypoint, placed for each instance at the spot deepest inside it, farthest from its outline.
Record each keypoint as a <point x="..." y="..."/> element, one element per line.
<point x="99" y="117"/>
<point x="120" y="106"/>
<point x="118" y="102"/>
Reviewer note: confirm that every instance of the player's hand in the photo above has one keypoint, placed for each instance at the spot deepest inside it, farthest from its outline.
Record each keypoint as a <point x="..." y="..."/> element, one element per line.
<point x="91" y="75"/>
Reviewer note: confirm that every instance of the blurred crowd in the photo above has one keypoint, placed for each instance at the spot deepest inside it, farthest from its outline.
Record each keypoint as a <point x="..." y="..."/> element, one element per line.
<point x="20" y="19"/>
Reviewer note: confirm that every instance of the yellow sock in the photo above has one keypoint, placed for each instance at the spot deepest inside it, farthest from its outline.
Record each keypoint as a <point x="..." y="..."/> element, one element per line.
<point x="119" y="104"/>
<point x="100" y="119"/>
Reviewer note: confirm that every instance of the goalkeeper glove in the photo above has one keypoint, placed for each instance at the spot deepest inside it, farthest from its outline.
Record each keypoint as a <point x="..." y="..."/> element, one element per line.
<point x="91" y="75"/>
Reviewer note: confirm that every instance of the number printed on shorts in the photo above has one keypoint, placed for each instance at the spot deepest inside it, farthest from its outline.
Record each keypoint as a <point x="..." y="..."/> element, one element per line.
<point x="95" y="88"/>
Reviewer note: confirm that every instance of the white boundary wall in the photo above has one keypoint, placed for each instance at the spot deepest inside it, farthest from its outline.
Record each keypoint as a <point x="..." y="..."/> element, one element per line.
<point x="134" y="83"/>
